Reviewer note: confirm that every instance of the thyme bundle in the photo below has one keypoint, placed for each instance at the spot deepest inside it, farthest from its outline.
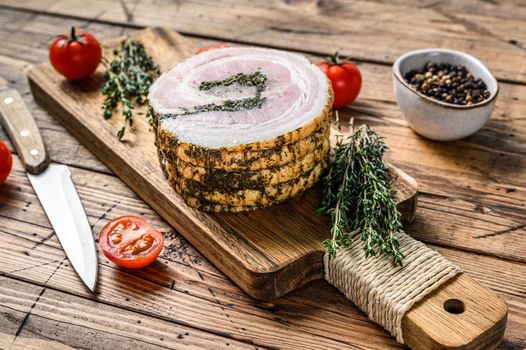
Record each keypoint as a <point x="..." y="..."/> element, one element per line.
<point x="359" y="198"/>
<point x="128" y="77"/>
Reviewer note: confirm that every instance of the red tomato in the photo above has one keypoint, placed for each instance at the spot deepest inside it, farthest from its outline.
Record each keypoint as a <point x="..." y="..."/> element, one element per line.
<point x="129" y="241"/>
<point x="345" y="78"/>
<point x="6" y="161"/>
<point x="211" y="47"/>
<point x="75" y="56"/>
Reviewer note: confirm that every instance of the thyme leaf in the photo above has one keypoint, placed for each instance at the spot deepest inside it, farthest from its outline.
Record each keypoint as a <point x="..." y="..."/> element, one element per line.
<point x="359" y="198"/>
<point x="128" y="78"/>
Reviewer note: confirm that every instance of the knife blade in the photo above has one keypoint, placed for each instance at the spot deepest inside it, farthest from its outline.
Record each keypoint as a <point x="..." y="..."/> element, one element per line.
<point x="53" y="186"/>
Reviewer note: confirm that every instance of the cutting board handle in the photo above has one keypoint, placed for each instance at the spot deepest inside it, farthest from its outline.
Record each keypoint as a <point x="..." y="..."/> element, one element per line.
<point x="461" y="314"/>
<point x="23" y="132"/>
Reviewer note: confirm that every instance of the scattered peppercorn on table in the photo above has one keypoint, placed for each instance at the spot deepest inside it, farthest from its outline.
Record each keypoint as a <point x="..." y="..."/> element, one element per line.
<point x="471" y="192"/>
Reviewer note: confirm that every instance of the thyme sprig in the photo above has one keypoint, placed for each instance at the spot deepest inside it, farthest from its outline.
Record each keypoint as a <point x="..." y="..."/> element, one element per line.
<point x="359" y="198"/>
<point x="256" y="79"/>
<point x="128" y="77"/>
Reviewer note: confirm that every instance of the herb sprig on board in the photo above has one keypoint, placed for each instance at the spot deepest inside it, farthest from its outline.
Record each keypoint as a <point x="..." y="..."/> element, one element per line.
<point x="359" y="198"/>
<point x="128" y="77"/>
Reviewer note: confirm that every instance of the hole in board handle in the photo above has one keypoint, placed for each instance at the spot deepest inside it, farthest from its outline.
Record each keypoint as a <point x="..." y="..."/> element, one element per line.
<point x="454" y="306"/>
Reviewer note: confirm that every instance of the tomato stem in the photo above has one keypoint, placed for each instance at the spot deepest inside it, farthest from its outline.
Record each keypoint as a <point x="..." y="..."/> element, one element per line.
<point x="73" y="36"/>
<point x="335" y="59"/>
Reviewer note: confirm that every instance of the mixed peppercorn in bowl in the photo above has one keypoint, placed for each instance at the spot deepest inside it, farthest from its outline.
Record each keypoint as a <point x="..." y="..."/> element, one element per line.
<point x="444" y="94"/>
<point x="448" y="83"/>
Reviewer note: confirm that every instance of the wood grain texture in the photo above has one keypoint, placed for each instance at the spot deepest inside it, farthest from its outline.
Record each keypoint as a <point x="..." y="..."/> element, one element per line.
<point x="183" y="287"/>
<point x="78" y="323"/>
<point x="267" y="252"/>
<point x="493" y="31"/>
<point x="461" y="315"/>
<point x="480" y="209"/>
<point x="470" y="197"/>
<point x="15" y="304"/>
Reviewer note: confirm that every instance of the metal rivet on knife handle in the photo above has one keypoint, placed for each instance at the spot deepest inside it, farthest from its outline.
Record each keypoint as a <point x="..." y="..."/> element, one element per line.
<point x="23" y="132"/>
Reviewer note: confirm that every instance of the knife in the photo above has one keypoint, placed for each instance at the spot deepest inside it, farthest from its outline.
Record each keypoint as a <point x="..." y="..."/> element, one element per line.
<point x="53" y="186"/>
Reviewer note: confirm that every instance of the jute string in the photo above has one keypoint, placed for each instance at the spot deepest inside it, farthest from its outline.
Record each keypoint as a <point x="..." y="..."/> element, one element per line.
<point x="385" y="292"/>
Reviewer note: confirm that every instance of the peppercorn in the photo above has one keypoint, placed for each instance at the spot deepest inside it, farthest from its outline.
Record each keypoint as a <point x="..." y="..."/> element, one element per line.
<point x="449" y="83"/>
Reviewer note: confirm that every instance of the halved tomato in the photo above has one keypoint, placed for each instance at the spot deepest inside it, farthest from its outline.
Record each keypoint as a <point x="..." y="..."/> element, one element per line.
<point x="131" y="242"/>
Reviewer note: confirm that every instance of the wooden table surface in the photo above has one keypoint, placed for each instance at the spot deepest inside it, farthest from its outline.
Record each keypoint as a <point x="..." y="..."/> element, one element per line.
<point x="471" y="201"/>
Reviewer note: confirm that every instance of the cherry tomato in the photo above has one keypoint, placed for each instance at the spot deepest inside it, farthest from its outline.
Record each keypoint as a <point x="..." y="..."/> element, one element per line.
<point x="129" y="241"/>
<point x="75" y="56"/>
<point x="6" y="161"/>
<point x="211" y="47"/>
<point x="345" y="78"/>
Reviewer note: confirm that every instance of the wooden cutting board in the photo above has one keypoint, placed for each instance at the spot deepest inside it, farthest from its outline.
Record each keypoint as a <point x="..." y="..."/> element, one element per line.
<point x="267" y="252"/>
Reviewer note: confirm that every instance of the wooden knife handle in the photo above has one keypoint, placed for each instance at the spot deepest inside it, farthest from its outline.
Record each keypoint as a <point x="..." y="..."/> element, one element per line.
<point x="23" y="132"/>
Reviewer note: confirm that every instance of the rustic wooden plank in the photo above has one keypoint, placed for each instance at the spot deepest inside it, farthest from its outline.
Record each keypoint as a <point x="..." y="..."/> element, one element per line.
<point x="28" y="36"/>
<point x="507" y="343"/>
<point x="501" y="19"/>
<point x="317" y="309"/>
<point x="287" y="311"/>
<point x="15" y="304"/>
<point x="229" y="259"/>
<point x="284" y="312"/>
<point x="195" y="300"/>
<point x="167" y="289"/>
<point x="318" y="27"/>
<point x="493" y="202"/>
<point x="57" y="320"/>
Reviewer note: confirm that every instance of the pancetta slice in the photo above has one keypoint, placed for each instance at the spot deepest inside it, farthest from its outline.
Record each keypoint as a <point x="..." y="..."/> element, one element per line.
<point x="251" y="178"/>
<point x="248" y="160"/>
<point x="239" y="111"/>
<point x="251" y="197"/>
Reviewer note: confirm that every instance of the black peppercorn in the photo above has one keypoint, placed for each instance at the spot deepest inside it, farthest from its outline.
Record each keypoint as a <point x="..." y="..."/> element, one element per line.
<point x="448" y="83"/>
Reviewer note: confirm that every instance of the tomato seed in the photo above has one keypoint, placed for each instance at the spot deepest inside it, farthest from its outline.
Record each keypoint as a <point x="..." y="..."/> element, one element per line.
<point x="115" y="238"/>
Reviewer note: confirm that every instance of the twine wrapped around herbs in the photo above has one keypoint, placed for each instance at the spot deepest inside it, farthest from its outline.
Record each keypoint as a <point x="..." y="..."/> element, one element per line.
<point x="383" y="291"/>
<point x="359" y="198"/>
